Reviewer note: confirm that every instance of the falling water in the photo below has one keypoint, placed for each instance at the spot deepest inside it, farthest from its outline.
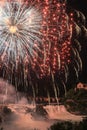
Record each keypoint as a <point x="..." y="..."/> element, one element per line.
<point x="25" y="116"/>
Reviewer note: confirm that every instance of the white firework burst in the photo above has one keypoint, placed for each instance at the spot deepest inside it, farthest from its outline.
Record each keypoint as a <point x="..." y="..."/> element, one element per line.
<point x="19" y="31"/>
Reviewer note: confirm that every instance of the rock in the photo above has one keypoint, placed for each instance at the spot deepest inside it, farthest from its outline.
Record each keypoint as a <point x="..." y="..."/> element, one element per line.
<point x="6" y="110"/>
<point x="0" y="119"/>
<point x="40" y="110"/>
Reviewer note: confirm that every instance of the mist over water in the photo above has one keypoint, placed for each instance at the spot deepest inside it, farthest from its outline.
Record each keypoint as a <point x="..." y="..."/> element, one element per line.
<point x="25" y="116"/>
<point x="7" y="92"/>
<point x="21" y="119"/>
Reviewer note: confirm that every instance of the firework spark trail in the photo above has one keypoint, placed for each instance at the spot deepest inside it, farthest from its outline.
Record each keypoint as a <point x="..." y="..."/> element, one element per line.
<point x="36" y="40"/>
<point x="18" y="30"/>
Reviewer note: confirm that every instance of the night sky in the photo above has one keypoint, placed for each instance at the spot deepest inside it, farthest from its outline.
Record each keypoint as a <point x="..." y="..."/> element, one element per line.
<point x="80" y="5"/>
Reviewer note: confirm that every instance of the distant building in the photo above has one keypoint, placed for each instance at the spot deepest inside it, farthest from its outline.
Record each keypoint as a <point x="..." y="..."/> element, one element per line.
<point x="81" y="86"/>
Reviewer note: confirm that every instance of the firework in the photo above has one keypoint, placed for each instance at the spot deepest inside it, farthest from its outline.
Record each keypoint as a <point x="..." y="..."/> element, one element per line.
<point x="35" y="40"/>
<point x="19" y="30"/>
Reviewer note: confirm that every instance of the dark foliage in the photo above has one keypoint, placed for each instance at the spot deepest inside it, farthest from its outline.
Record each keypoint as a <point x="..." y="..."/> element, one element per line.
<point x="70" y="126"/>
<point x="76" y="101"/>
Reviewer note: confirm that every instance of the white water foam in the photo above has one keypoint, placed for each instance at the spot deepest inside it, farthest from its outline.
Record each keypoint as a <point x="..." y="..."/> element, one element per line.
<point x="25" y="116"/>
<point x="21" y="119"/>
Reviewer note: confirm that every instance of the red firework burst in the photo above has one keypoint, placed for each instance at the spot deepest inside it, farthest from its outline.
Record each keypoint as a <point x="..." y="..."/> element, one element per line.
<point x="52" y="53"/>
